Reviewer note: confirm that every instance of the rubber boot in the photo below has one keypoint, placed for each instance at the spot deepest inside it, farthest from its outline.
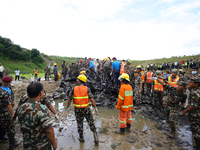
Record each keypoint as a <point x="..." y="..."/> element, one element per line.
<point x="128" y="127"/>
<point x="197" y="142"/>
<point x="81" y="138"/>
<point x="96" y="139"/>
<point x="173" y="131"/>
<point x="121" y="131"/>
<point x="13" y="144"/>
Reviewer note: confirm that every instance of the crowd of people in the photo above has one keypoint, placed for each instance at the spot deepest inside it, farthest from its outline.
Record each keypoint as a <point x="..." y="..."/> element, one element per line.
<point x="134" y="84"/>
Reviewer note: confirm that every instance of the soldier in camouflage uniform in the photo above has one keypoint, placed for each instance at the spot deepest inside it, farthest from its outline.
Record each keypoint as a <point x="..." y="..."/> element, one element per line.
<point x="6" y="115"/>
<point x="193" y="109"/>
<point x="171" y="105"/>
<point x="35" y="122"/>
<point x="71" y="68"/>
<point x="107" y="68"/>
<point x="81" y="95"/>
<point x="47" y="73"/>
<point x="158" y="95"/>
<point x="64" y="69"/>
<point x="138" y="88"/>
<point x="24" y="98"/>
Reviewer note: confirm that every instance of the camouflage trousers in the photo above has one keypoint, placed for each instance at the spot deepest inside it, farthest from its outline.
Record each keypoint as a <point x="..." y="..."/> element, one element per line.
<point x="137" y="96"/>
<point x="46" y="77"/>
<point x="82" y="113"/>
<point x="64" y="73"/>
<point x="195" y="126"/>
<point x="158" y="96"/>
<point x="7" y="125"/>
<point x="171" y="114"/>
<point x="148" y="88"/>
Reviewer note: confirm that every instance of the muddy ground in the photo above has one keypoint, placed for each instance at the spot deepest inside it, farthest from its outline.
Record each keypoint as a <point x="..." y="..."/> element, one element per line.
<point x="149" y="128"/>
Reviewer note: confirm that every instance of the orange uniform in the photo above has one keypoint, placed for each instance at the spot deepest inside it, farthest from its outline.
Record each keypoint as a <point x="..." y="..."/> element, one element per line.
<point x="142" y="76"/>
<point x="174" y="83"/>
<point x="149" y="75"/>
<point x="125" y="104"/>
<point x="122" y="68"/>
<point x="81" y="97"/>
<point x="158" y="86"/>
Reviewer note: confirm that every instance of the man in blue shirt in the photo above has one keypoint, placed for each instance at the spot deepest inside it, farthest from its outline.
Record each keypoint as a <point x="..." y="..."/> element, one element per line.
<point x="116" y="70"/>
<point x="91" y="64"/>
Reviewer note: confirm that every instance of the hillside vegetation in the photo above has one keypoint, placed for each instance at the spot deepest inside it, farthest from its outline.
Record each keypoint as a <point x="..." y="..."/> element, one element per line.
<point x="14" y="56"/>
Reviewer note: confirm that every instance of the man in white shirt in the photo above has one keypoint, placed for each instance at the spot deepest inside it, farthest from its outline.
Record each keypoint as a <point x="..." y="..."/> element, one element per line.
<point x="17" y="74"/>
<point x="2" y="70"/>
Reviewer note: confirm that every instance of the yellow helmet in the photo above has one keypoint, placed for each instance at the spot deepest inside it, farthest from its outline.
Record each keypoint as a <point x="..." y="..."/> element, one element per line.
<point x="82" y="72"/>
<point x="138" y="67"/>
<point x="82" y="78"/>
<point x="55" y="64"/>
<point x="181" y="70"/>
<point x="106" y="58"/>
<point x="125" y="76"/>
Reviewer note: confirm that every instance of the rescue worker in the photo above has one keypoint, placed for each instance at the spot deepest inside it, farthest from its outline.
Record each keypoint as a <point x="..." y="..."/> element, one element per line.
<point x="7" y="87"/>
<point x="47" y="73"/>
<point x="55" y="72"/>
<point x="195" y="71"/>
<point x="64" y="70"/>
<point x="125" y="104"/>
<point x="35" y="122"/>
<point x="36" y="74"/>
<point x="142" y="75"/>
<point x="157" y="91"/>
<point x="137" y="89"/>
<point x="6" y="115"/>
<point x="107" y="68"/>
<point x="171" y="105"/>
<point x="116" y="71"/>
<point x="173" y="80"/>
<point x="81" y="95"/>
<point x="193" y="109"/>
<point x="149" y="75"/>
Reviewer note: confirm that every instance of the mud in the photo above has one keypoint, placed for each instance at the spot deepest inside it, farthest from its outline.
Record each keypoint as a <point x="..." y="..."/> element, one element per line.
<point x="149" y="129"/>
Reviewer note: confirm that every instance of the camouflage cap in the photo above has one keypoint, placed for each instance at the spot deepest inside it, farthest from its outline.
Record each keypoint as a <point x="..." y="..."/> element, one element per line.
<point x="158" y="72"/>
<point x="195" y="79"/>
<point x="174" y="70"/>
<point x="182" y="83"/>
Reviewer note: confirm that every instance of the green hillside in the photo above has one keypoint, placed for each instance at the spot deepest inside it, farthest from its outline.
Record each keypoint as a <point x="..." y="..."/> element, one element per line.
<point x="14" y="56"/>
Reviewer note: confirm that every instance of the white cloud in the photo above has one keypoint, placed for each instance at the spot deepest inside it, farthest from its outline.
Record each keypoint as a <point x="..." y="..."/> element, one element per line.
<point x="90" y="28"/>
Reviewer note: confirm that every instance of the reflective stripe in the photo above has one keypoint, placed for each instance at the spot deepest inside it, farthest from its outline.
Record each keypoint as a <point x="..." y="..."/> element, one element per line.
<point x="121" y="97"/>
<point x="127" y="106"/>
<point x="128" y="93"/>
<point x="80" y="97"/>
<point x="81" y="105"/>
<point x="122" y="121"/>
<point x="129" y="119"/>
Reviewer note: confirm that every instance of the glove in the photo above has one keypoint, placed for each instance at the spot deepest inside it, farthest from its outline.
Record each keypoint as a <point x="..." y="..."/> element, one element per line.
<point x="110" y="73"/>
<point x="96" y="110"/>
<point x="56" y="116"/>
<point x="151" y="90"/>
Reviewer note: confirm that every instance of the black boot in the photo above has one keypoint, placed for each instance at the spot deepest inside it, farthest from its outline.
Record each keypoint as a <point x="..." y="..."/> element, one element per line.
<point x="121" y="131"/>
<point x="96" y="139"/>
<point x="128" y="127"/>
<point x="81" y="138"/>
<point x="197" y="142"/>
<point x="13" y="144"/>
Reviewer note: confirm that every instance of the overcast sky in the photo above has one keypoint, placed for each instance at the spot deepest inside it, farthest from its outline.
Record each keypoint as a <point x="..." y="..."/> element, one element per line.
<point x="135" y="29"/>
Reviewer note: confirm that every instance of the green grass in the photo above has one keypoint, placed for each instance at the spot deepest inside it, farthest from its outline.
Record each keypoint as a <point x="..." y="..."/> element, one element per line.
<point x="27" y="76"/>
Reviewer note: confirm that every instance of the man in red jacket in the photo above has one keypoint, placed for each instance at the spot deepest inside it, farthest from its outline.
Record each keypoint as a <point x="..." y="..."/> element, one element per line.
<point x="125" y="104"/>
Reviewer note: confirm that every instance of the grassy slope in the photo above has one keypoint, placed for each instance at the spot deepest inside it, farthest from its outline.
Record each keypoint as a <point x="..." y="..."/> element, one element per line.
<point x="29" y="66"/>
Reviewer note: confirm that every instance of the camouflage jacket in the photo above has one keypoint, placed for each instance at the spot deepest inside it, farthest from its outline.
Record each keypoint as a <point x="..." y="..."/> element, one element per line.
<point x="24" y="98"/>
<point x="194" y="100"/>
<point x="138" y="81"/>
<point x="34" y="120"/>
<point x="64" y="68"/>
<point x="173" y="97"/>
<point x="4" y="101"/>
